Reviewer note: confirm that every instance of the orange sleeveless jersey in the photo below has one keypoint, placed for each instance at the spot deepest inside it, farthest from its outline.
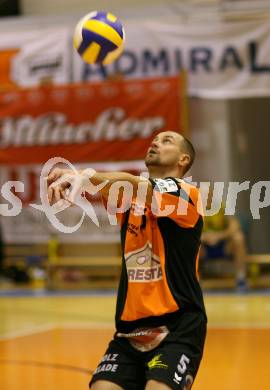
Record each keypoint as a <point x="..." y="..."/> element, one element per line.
<point x="160" y="257"/>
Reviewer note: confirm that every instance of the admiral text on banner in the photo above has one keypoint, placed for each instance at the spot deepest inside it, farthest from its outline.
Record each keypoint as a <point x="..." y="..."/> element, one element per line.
<point x="223" y="59"/>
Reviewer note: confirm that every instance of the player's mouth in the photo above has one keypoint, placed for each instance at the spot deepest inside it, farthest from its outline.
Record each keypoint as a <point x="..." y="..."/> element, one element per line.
<point x="152" y="151"/>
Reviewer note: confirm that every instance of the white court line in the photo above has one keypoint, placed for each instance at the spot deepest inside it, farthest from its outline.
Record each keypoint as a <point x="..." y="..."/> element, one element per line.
<point x="27" y="332"/>
<point x="49" y="327"/>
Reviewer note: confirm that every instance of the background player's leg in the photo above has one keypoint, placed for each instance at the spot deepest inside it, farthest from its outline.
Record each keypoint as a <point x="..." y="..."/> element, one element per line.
<point x="105" y="385"/>
<point x="240" y="258"/>
<point x="156" y="385"/>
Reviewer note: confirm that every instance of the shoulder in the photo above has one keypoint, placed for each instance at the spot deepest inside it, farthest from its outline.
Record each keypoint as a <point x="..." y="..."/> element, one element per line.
<point x="190" y="189"/>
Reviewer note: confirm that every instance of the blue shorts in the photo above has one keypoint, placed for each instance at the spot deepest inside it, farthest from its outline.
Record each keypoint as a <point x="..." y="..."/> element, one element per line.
<point x="215" y="251"/>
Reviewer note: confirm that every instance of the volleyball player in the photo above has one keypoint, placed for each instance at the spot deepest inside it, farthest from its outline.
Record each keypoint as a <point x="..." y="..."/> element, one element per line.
<point x="160" y="315"/>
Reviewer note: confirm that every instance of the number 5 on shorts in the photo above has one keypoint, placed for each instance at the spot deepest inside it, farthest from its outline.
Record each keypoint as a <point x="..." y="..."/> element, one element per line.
<point x="182" y="365"/>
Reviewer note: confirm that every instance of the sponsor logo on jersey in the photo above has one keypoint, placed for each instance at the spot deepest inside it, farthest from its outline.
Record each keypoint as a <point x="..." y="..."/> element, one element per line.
<point x="182" y="367"/>
<point x="177" y="378"/>
<point x="165" y="185"/>
<point x="105" y="365"/>
<point x="144" y="274"/>
<point x="143" y="265"/>
<point x="156" y="362"/>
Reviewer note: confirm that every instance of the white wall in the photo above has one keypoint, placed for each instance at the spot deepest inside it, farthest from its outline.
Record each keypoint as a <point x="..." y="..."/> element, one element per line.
<point x="36" y="13"/>
<point x="250" y="138"/>
<point x="129" y="8"/>
<point x="186" y="9"/>
<point x="210" y="136"/>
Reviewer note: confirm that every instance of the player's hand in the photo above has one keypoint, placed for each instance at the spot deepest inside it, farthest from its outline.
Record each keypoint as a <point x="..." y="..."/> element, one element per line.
<point x="58" y="183"/>
<point x="66" y="184"/>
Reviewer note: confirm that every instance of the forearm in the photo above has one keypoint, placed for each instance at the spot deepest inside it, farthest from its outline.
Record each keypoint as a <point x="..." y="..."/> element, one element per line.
<point x="113" y="177"/>
<point x="137" y="184"/>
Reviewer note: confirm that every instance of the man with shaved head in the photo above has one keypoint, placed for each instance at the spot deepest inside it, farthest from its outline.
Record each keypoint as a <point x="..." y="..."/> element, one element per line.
<point x="160" y="316"/>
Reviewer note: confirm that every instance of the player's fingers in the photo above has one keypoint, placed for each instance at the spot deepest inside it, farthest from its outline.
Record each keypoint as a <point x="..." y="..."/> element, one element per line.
<point x="54" y="175"/>
<point x="64" y="181"/>
<point x="50" y="178"/>
<point x="50" y="195"/>
<point x="54" y="194"/>
<point x="65" y="196"/>
<point x="57" y="174"/>
<point x="57" y="193"/>
<point x="76" y="189"/>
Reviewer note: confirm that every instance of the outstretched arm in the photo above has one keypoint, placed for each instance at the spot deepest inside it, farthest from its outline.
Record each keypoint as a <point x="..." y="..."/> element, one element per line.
<point x="156" y="193"/>
<point x="61" y="180"/>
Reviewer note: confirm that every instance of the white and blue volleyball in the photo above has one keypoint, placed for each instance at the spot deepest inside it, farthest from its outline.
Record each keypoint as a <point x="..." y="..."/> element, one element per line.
<point x="99" y="38"/>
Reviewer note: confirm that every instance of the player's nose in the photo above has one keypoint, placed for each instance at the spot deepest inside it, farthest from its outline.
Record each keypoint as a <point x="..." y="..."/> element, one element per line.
<point x="154" y="144"/>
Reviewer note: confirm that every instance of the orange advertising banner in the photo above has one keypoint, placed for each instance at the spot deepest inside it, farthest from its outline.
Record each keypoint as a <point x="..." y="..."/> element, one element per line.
<point x="107" y="121"/>
<point x="6" y="56"/>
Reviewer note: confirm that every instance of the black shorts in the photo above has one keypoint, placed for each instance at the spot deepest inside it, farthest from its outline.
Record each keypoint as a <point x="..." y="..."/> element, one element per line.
<point x="175" y="361"/>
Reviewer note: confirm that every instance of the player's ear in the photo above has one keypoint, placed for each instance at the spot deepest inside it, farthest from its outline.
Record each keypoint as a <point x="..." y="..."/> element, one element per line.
<point x="184" y="160"/>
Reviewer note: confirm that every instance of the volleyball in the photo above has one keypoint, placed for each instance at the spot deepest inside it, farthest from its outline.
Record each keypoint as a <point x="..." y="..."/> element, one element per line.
<point x="99" y="38"/>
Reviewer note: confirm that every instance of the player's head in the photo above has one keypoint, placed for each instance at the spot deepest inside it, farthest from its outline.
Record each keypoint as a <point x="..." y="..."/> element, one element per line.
<point x="170" y="151"/>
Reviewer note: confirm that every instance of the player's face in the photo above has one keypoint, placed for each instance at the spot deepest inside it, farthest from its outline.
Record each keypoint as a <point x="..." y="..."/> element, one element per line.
<point x="164" y="150"/>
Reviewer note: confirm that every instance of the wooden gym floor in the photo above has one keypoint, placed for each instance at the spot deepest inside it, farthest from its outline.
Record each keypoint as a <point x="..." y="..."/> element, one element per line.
<point x="55" y="342"/>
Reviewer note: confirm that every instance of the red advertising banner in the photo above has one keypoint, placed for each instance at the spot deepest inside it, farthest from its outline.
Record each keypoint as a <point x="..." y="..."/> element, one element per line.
<point x="108" y="121"/>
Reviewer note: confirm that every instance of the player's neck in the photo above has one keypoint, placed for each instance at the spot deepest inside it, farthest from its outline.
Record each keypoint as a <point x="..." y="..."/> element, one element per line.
<point x="158" y="172"/>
